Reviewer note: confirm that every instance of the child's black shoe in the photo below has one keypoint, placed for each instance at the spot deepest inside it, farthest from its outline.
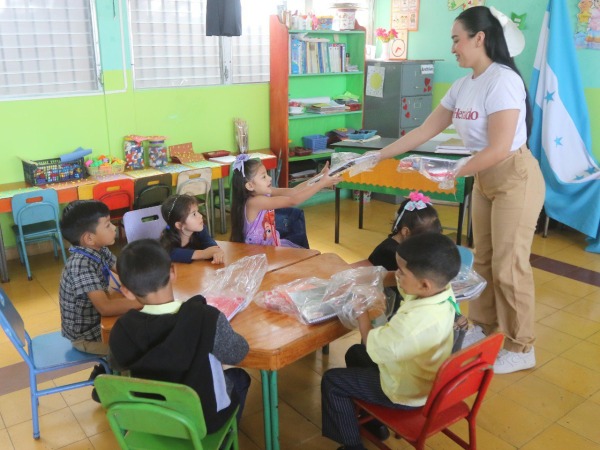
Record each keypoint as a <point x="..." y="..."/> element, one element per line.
<point x="377" y="429"/>
<point x="98" y="370"/>
<point x="95" y="396"/>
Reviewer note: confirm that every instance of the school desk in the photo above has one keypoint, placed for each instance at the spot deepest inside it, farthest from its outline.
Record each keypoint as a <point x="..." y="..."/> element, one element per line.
<point x="275" y="340"/>
<point x="67" y="192"/>
<point x="385" y="179"/>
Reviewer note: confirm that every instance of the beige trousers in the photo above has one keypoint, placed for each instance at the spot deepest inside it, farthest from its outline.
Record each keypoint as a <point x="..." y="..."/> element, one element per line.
<point x="507" y="200"/>
<point x="97" y="348"/>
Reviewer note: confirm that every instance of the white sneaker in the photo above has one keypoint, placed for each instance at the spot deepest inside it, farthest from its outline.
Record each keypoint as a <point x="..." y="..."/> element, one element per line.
<point x="509" y="362"/>
<point x="474" y="334"/>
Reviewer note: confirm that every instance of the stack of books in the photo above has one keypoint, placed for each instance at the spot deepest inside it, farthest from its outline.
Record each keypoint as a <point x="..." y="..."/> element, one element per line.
<point x="315" y="56"/>
<point x="327" y="108"/>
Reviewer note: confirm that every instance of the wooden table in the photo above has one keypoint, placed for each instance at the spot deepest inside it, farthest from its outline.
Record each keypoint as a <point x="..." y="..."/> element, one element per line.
<point x="403" y="183"/>
<point x="275" y="340"/>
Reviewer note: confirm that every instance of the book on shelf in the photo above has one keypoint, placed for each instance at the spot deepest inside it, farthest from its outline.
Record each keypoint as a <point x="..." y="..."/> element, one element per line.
<point x="316" y="56"/>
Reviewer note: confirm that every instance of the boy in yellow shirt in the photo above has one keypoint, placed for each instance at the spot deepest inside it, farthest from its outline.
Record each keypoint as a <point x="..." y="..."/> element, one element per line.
<point x="397" y="366"/>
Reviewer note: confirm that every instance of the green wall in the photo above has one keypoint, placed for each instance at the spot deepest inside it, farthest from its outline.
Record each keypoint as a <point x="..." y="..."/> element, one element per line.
<point x="432" y="41"/>
<point x="45" y="128"/>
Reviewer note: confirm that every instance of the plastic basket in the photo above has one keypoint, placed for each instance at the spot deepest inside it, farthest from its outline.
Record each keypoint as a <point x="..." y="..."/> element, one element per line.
<point x="315" y="142"/>
<point x="106" y="170"/>
<point x="53" y="171"/>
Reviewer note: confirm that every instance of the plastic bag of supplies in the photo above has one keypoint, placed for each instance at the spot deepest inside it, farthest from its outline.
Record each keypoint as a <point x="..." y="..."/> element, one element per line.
<point x="232" y="288"/>
<point x="439" y="170"/>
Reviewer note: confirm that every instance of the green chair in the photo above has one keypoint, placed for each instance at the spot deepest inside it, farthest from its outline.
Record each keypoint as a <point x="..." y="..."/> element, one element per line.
<point x="147" y="414"/>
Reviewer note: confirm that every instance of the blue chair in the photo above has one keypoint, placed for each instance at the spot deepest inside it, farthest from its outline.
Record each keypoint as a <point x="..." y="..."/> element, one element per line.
<point x="36" y="220"/>
<point x="466" y="256"/>
<point x="44" y="353"/>
<point x="146" y="223"/>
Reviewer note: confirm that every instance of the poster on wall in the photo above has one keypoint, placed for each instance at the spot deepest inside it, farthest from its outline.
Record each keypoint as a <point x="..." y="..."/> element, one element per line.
<point x="405" y="15"/>
<point x="464" y="4"/>
<point x="375" y="77"/>
<point x="413" y="18"/>
<point x="400" y="20"/>
<point x="399" y="46"/>
<point x="587" y="27"/>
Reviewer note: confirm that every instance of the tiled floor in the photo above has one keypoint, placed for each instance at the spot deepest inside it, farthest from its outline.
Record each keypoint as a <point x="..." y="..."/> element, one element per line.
<point x="554" y="406"/>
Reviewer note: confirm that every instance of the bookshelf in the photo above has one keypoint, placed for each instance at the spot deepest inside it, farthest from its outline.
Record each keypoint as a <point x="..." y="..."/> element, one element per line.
<point x="284" y="85"/>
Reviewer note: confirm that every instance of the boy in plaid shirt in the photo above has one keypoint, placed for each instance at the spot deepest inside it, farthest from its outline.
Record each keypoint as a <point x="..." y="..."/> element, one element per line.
<point x="83" y="295"/>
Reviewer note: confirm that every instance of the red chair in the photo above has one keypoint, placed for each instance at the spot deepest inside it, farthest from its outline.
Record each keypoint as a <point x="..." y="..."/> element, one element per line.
<point x="118" y="196"/>
<point x="465" y="373"/>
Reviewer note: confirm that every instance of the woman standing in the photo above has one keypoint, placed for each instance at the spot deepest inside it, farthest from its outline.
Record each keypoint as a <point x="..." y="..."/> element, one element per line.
<point x="491" y="112"/>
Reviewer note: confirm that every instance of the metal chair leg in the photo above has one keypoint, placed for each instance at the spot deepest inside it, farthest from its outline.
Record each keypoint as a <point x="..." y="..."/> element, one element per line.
<point x="546" y="224"/>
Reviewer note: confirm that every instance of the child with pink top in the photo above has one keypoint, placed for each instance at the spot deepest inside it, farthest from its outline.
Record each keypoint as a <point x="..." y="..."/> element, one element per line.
<point x="254" y="201"/>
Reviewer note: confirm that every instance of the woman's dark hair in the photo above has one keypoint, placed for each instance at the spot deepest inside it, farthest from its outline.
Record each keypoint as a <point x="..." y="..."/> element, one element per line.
<point x="176" y="209"/>
<point x="239" y="197"/>
<point x="418" y="221"/>
<point x="480" y="18"/>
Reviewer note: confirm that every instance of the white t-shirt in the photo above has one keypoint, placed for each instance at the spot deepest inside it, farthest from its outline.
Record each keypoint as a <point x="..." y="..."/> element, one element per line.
<point x="472" y="100"/>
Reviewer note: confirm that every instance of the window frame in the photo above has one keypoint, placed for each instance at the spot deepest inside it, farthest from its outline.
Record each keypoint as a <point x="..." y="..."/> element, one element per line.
<point x="97" y="63"/>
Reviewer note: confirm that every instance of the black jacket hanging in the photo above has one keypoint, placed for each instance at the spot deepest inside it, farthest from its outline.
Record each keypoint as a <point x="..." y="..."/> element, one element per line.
<point x="223" y="18"/>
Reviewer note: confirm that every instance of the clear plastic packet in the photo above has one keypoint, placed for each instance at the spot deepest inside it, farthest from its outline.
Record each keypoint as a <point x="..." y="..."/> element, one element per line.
<point x="301" y="299"/>
<point x="232" y="288"/>
<point x="313" y="300"/>
<point x="347" y="161"/>
<point x="468" y="284"/>
<point x="438" y="170"/>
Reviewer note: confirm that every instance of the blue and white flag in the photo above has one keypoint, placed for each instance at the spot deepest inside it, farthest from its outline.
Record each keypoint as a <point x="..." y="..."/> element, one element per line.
<point x="561" y="138"/>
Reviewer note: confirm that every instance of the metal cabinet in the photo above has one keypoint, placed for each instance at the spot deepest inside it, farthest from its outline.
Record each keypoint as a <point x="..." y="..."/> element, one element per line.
<point x="406" y="100"/>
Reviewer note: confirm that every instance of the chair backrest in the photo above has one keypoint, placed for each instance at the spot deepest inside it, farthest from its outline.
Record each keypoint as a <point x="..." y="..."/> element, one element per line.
<point x="194" y="182"/>
<point x="152" y="191"/>
<point x="466" y="256"/>
<point x="116" y="194"/>
<point x="463" y="374"/>
<point x="11" y="321"/>
<point x="152" y="407"/>
<point x="143" y="223"/>
<point x="34" y="207"/>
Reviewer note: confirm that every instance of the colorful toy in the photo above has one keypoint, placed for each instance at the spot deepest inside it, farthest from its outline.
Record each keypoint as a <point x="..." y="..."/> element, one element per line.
<point x="104" y="165"/>
<point x="52" y="171"/>
<point x="157" y="151"/>
<point x="134" y="151"/>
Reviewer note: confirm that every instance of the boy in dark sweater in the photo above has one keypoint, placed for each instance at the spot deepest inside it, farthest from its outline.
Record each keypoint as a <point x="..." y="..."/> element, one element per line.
<point x="177" y="342"/>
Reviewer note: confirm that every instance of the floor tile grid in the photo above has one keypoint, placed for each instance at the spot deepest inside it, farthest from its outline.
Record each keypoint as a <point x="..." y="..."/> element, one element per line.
<point x="336" y="361"/>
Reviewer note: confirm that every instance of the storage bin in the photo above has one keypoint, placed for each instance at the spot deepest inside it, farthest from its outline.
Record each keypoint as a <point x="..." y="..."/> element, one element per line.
<point x="315" y="142"/>
<point x="52" y="171"/>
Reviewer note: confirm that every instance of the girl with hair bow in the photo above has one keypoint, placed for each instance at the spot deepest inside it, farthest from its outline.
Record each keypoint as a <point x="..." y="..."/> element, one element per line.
<point x="254" y="200"/>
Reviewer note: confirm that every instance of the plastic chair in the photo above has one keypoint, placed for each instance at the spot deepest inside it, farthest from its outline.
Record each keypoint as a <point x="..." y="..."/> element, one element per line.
<point x="118" y="196"/>
<point x="36" y="220"/>
<point x="198" y="182"/>
<point x="44" y="353"/>
<point x="157" y="415"/>
<point x="466" y="256"/>
<point x="465" y="373"/>
<point x="146" y="223"/>
<point x="152" y="191"/>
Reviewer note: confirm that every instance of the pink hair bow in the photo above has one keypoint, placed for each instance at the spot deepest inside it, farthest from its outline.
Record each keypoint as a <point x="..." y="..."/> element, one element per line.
<point x="417" y="201"/>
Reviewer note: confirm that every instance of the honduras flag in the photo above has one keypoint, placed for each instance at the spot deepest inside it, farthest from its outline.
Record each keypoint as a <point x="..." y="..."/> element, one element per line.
<point x="561" y="139"/>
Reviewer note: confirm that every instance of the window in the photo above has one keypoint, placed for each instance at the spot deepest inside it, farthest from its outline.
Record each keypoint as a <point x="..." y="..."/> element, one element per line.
<point x="170" y="46"/>
<point x="250" y="51"/>
<point x="48" y="47"/>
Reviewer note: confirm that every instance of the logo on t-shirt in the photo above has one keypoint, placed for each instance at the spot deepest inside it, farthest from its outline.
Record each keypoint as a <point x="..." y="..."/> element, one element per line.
<point x="465" y="115"/>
